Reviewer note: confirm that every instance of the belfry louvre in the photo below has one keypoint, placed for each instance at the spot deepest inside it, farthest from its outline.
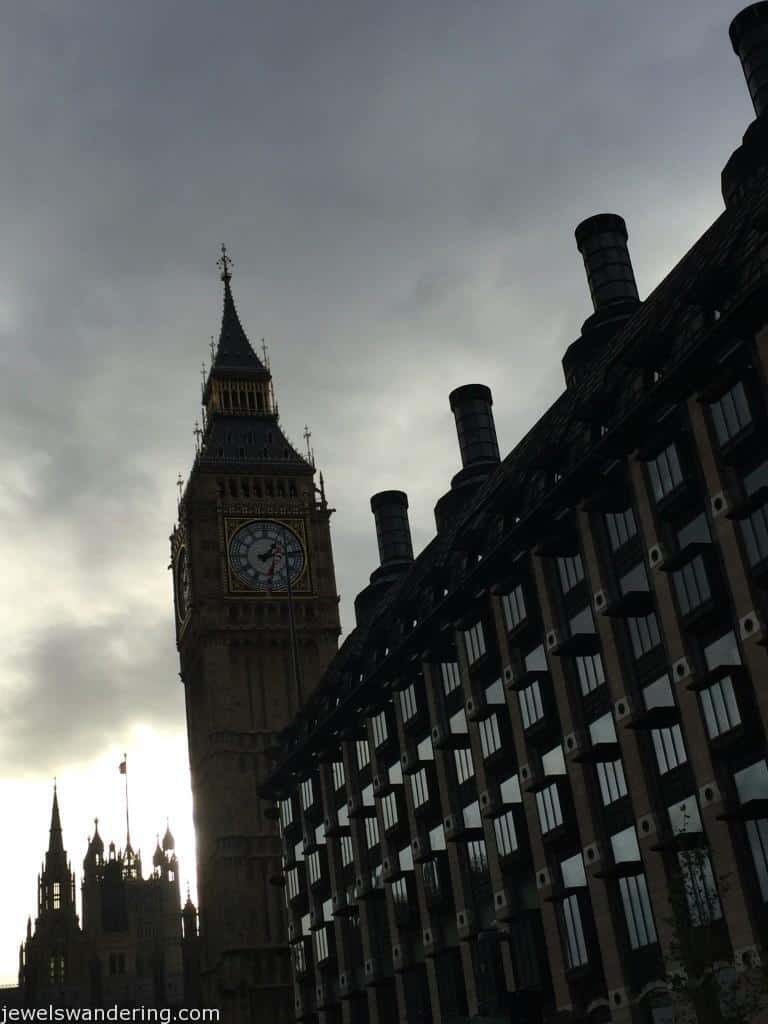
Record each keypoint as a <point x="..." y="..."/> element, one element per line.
<point x="481" y="805"/>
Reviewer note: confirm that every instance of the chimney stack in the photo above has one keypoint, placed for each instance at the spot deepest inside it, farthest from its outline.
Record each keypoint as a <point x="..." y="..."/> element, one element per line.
<point x="393" y="532"/>
<point x="602" y="241"/>
<point x="746" y="169"/>
<point x="749" y="35"/>
<point x="471" y="406"/>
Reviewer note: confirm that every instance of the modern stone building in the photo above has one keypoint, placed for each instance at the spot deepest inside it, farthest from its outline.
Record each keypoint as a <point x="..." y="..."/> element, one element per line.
<point x="136" y="947"/>
<point x="558" y="711"/>
<point x="257" y="622"/>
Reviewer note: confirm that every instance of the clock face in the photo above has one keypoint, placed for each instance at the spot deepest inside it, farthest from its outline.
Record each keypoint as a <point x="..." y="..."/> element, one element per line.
<point x="183" y="587"/>
<point x="266" y="555"/>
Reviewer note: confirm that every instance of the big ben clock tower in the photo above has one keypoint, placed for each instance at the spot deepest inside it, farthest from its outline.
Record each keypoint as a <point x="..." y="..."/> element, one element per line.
<point x="256" y="623"/>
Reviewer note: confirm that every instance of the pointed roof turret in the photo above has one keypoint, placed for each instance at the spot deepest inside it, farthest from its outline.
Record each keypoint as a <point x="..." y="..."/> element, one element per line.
<point x="234" y="350"/>
<point x="158" y="859"/>
<point x="55" y="841"/>
<point x="169" y="843"/>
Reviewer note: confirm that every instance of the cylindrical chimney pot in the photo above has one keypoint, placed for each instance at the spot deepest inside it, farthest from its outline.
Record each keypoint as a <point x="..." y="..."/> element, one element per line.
<point x="602" y="241"/>
<point x="749" y="35"/>
<point x="393" y="532"/>
<point x="471" y="406"/>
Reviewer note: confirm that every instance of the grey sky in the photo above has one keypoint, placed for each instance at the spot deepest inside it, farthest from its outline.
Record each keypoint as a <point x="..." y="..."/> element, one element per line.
<point x="398" y="185"/>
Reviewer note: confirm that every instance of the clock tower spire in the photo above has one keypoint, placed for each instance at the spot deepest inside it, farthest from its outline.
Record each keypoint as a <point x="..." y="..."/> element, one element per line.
<point x="256" y="624"/>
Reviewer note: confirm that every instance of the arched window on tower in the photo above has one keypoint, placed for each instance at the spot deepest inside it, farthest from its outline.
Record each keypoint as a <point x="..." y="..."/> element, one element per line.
<point x="56" y="895"/>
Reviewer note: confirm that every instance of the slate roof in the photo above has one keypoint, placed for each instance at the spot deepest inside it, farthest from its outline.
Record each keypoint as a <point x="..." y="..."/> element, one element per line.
<point x="248" y="439"/>
<point x="234" y="351"/>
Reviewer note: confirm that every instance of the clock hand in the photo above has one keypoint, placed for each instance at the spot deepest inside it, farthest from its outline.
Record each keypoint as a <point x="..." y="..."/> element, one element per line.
<point x="268" y="553"/>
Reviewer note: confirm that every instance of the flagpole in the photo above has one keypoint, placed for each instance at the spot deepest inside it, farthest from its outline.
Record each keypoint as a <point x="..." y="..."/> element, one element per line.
<point x="127" y="819"/>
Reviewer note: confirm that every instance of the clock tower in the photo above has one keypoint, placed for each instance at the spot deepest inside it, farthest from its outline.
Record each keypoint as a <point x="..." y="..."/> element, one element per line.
<point x="257" y="621"/>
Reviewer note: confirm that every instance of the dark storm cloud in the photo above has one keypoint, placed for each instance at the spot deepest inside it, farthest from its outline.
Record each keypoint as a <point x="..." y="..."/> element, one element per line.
<point x="398" y="185"/>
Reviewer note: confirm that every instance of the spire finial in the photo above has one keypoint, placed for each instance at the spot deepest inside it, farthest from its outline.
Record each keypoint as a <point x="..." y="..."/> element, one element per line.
<point x="198" y="434"/>
<point x="180" y="485"/>
<point x="265" y="352"/>
<point x="225" y="263"/>
<point x="213" y="350"/>
<point x="307" y="437"/>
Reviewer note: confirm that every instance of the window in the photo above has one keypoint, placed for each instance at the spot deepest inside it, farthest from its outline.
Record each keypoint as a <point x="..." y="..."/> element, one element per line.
<point x="574" y="877"/>
<point x="379" y="725"/>
<point x="643" y="634"/>
<point x="338" y="775"/>
<point x="314" y="869"/>
<point x="320" y="938"/>
<point x="514" y="607"/>
<point x="582" y="622"/>
<point x="696" y="877"/>
<point x="731" y="414"/>
<point x="419" y="788"/>
<point x="752" y="784"/>
<point x="389" y="811"/>
<point x="490" y="737"/>
<point x="399" y="891"/>
<point x="56" y="895"/>
<point x="536" y="660"/>
<point x="510" y="790"/>
<point x="723" y="651"/>
<point x="531" y="707"/>
<point x="667" y="742"/>
<point x="755" y="527"/>
<point x="506" y="836"/>
<point x="371" y="832"/>
<point x="692" y="585"/>
<point x="477" y="856"/>
<point x="695" y="532"/>
<point x="56" y="968"/>
<point x="292" y="883"/>
<point x="621" y="528"/>
<point x="307" y="794"/>
<point x="431" y="876"/>
<point x="718" y="701"/>
<point x="408" y="706"/>
<point x="634" y="891"/>
<point x="665" y="472"/>
<point x="299" y="958"/>
<point x="363" y="753"/>
<point x="637" y="911"/>
<point x="474" y="639"/>
<point x="494" y="694"/>
<point x="347" y="852"/>
<point x="573" y="932"/>
<point x="550" y="811"/>
<point x="465" y="768"/>
<point x="590" y="672"/>
<point x="449" y="671"/>
<point x="719" y="707"/>
<point x="613" y="785"/>
<point x="635" y="579"/>
<point x="458" y="723"/>
<point x="571" y="571"/>
<point x="286" y="813"/>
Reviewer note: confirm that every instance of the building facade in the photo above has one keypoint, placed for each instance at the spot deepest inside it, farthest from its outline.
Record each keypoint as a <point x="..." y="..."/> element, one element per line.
<point x="257" y="622"/>
<point x="534" y="776"/>
<point x="131" y="949"/>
